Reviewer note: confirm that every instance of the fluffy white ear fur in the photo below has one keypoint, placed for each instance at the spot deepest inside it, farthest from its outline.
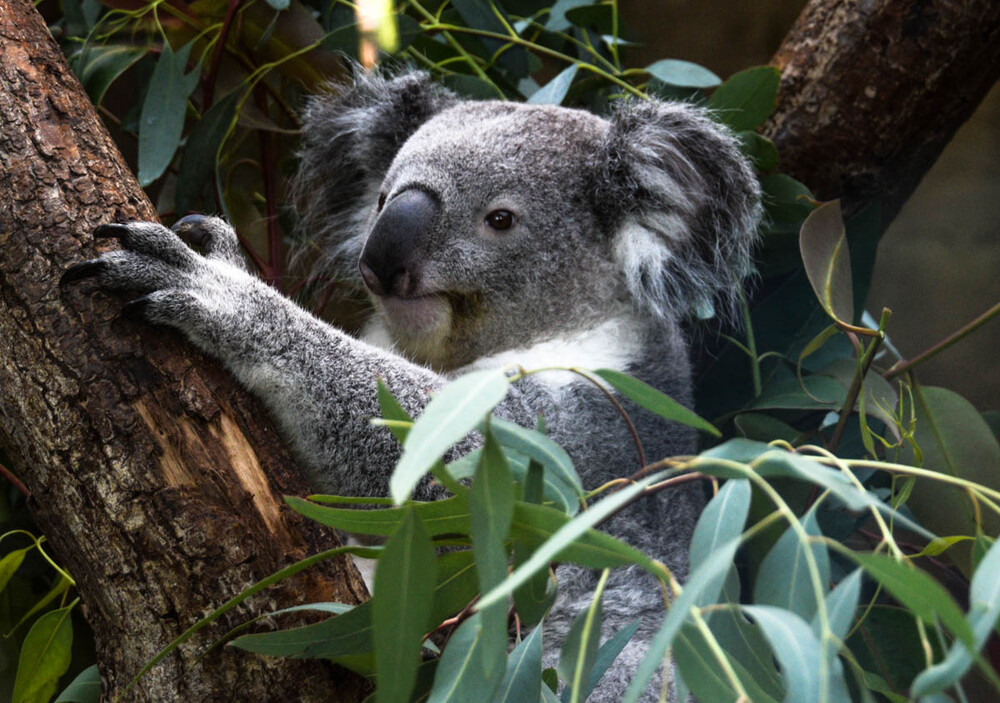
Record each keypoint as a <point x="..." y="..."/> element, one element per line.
<point x="687" y="204"/>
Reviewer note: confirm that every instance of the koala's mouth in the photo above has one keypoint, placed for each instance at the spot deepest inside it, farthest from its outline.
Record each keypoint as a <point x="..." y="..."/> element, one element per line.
<point x="420" y="318"/>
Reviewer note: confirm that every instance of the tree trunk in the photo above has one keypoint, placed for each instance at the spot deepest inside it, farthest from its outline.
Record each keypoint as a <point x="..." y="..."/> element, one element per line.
<point x="871" y="92"/>
<point x="157" y="482"/>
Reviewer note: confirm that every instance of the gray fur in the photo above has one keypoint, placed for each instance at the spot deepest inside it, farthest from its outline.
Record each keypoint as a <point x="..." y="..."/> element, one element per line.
<point x="621" y="227"/>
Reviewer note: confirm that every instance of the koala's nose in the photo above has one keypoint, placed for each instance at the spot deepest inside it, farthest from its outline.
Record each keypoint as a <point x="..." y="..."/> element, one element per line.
<point x="388" y="263"/>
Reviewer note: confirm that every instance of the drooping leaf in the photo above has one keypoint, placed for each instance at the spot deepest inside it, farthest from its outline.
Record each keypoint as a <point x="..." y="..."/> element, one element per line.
<point x="99" y="65"/>
<point x="784" y="579"/>
<point x="85" y="688"/>
<point x="462" y="674"/>
<point x="646" y="396"/>
<point x="439" y="517"/>
<point x="491" y="503"/>
<point x="579" y="652"/>
<point x="827" y="260"/>
<point x="554" y="92"/>
<point x="10" y="564"/>
<point x="984" y="612"/>
<point x="924" y="596"/>
<point x="200" y="155"/>
<point x="703" y="673"/>
<point x="403" y="592"/>
<point x="557" y="21"/>
<point x="841" y="603"/>
<point x="747" y="98"/>
<point x="607" y="654"/>
<point x="45" y="656"/>
<point x="523" y="679"/>
<point x="703" y="586"/>
<point x="682" y="74"/>
<point x="537" y="446"/>
<point x="721" y="521"/>
<point x="800" y="654"/>
<point x="454" y="412"/>
<point x="162" y="118"/>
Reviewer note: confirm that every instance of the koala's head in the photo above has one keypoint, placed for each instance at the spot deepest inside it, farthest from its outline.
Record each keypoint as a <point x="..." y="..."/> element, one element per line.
<point x="479" y="227"/>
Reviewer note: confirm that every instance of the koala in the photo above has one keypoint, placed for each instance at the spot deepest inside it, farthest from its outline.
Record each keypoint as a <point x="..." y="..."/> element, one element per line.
<point x="485" y="234"/>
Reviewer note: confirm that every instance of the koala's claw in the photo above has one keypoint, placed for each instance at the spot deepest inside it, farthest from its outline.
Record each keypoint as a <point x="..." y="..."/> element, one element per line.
<point x="135" y="310"/>
<point x="85" y="269"/>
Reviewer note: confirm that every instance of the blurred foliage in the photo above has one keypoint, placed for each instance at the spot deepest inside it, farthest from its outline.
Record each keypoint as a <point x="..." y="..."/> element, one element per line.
<point x="851" y="532"/>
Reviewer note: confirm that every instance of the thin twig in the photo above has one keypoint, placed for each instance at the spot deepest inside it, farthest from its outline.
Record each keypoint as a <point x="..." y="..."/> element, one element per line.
<point x="901" y="367"/>
<point x="14" y="480"/>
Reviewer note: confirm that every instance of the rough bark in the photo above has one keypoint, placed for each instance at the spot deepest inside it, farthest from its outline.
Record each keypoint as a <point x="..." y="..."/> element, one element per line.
<point x="157" y="482"/>
<point x="873" y="90"/>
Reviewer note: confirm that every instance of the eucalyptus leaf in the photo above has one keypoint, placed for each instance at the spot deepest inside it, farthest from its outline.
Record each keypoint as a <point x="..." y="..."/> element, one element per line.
<point x="784" y="578"/>
<point x="161" y="121"/>
<point x="45" y="656"/>
<point x="463" y="673"/>
<point x="401" y="599"/>
<point x="827" y="260"/>
<point x="201" y="152"/>
<point x="682" y="74"/>
<point x="99" y="65"/>
<point x="554" y="92"/>
<point x="456" y="410"/>
<point x="85" y="688"/>
<point x="579" y="651"/>
<point x="646" y="396"/>
<point x="841" y="603"/>
<point x="746" y="98"/>
<point x="523" y="678"/>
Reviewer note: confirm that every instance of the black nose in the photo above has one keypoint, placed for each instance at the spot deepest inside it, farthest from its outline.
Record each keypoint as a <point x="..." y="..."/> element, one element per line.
<point x="389" y="263"/>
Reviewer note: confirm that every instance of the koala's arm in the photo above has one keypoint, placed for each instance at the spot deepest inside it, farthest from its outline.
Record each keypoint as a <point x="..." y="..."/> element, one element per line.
<point x="318" y="383"/>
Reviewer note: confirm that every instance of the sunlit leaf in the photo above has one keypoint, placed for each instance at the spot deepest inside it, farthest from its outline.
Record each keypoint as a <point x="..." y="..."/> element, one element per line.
<point x="454" y="412"/>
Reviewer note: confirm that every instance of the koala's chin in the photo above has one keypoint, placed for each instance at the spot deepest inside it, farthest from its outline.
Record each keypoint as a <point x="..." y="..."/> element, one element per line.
<point x="417" y="327"/>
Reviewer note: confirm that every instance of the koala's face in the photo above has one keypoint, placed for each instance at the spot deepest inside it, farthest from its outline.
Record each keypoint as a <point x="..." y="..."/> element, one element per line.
<point x="484" y="235"/>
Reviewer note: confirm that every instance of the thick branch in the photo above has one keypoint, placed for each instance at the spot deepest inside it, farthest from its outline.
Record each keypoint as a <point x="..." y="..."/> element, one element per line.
<point x="871" y="92"/>
<point x="156" y="480"/>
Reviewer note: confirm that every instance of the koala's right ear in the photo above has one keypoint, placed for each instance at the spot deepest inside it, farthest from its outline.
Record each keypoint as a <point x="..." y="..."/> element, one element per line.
<point x="349" y="139"/>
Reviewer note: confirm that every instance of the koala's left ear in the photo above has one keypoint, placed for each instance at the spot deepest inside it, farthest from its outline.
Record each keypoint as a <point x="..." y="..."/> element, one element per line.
<point x="684" y="203"/>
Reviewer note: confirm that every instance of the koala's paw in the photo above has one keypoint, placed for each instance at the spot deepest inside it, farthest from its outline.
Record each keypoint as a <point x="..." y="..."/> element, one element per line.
<point x="179" y="285"/>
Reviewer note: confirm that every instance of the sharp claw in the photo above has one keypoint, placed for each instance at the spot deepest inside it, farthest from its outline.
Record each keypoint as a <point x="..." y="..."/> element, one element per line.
<point x="113" y="230"/>
<point x="85" y="269"/>
<point x="135" y="309"/>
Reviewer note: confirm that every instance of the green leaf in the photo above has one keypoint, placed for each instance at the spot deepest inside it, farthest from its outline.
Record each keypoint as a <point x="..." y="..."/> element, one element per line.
<point x="537" y="446"/>
<point x="45" y="656"/>
<point x="840" y="606"/>
<point x="596" y="16"/>
<point x="98" y="66"/>
<point x="646" y="396"/>
<point x="491" y="503"/>
<point x="984" y="611"/>
<point x="161" y="121"/>
<point x="85" y="688"/>
<point x="557" y="492"/>
<point x="799" y="653"/>
<point x="403" y="592"/>
<point x="480" y="15"/>
<point x="439" y="517"/>
<point x="702" y="672"/>
<point x="523" y="679"/>
<point x="607" y="654"/>
<point x="763" y="428"/>
<point x="10" y="564"/>
<point x="783" y="578"/>
<point x="462" y="674"/>
<point x="554" y="92"/>
<point x="924" y="596"/>
<point x="557" y="21"/>
<point x="279" y="5"/>
<point x="454" y="412"/>
<point x="560" y="544"/>
<point x="721" y="521"/>
<point x="760" y="150"/>
<point x="579" y="652"/>
<point x="703" y="586"/>
<point x="201" y="151"/>
<point x="812" y="393"/>
<point x="682" y="74"/>
<point x="827" y="260"/>
<point x="747" y="98"/>
<point x="956" y="441"/>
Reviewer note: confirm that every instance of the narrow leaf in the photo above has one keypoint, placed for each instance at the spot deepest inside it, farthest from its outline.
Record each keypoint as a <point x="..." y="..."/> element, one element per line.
<point x="161" y="121"/>
<point x="784" y="579"/>
<point x="646" y="396"/>
<point x="579" y="652"/>
<point x="554" y="92"/>
<point x="454" y="412"/>
<point x="607" y="654"/>
<point x="10" y="564"/>
<point x="537" y="446"/>
<point x="523" y="679"/>
<point x="201" y="151"/>
<point x="461" y="674"/>
<point x="439" y="517"/>
<point x="840" y="606"/>
<point x="404" y="589"/>
<point x="797" y="650"/>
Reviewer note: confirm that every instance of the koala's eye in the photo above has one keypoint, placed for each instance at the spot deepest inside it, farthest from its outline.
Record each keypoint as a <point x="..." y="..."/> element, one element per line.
<point x="381" y="202"/>
<point x="500" y="219"/>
